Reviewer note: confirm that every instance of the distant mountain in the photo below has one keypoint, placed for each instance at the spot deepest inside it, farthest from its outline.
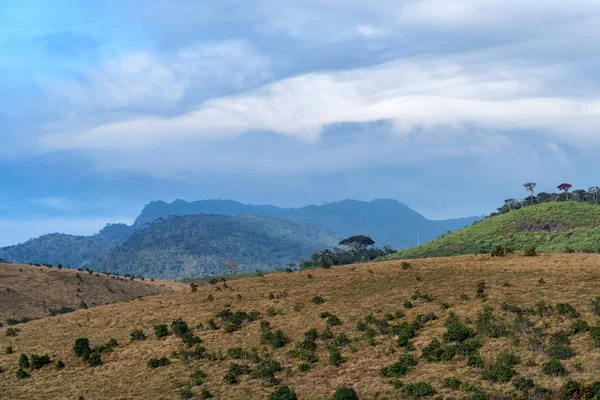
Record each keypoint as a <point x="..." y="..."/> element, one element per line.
<point x="386" y="221"/>
<point x="567" y="226"/>
<point x="199" y="245"/>
<point x="69" y="250"/>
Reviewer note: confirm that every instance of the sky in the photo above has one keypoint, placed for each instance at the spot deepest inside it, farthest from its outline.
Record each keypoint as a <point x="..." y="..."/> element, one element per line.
<point x="446" y="106"/>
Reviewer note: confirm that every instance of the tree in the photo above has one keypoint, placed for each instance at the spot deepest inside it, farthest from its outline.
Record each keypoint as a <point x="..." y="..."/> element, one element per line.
<point x="565" y="188"/>
<point x="530" y="187"/>
<point x="357" y="242"/>
<point x="231" y="266"/>
<point x="510" y="203"/>
<point x="595" y="192"/>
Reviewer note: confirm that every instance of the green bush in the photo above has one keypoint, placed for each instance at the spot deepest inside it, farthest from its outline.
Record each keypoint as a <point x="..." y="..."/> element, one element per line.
<point x="60" y="365"/>
<point x="559" y="338"/>
<point x="326" y="334"/>
<point x="158" y="362"/>
<point x="523" y="384"/>
<point x="24" y="361"/>
<point x="22" y="374"/>
<point x="333" y="320"/>
<point x="419" y="389"/>
<point x="304" y="367"/>
<point x="542" y="393"/>
<point x="596" y="306"/>
<point x="179" y="327"/>
<point x="345" y="393"/>
<point x="498" y="251"/>
<point x="477" y="396"/>
<point x="38" y="361"/>
<point x="335" y="356"/>
<point x="12" y="332"/>
<point x="452" y="383"/>
<point x="311" y="334"/>
<point x="560" y="352"/>
<point x="235" y="371"/>
<point x="458" y="332"/>
<point x="475" y="360"/>
<point x="579" y="326"/>
<point x="9" y="350"/>
<point x="318" y="300"/>
<point x="266" y="371"/>
<point x="498" y="373"/>
<point x="530" y="251"/>
<point x="507" y="359"/>
<point x="95" y="359"/>
<point x="283" y="393"/>
<point x="82" y="348"/>
<point x="190" y="340"/>
<point x="408" y="304"/>
<point x="275" y="339"/>
<point x="572" y="390"/>
<point x="205" y="394"/>
<point x="567" y="309"/>
<point x="197" y="377"/>
<point x="553" y="367"/>
<point x="161" y="330"/>
<point x="400" y="368"/>
<point x="137" y="334"/>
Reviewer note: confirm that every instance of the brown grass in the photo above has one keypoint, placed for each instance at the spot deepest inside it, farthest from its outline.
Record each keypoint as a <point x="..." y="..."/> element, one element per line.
<point x="30" y="291"/>
<point x="351" y="293"/>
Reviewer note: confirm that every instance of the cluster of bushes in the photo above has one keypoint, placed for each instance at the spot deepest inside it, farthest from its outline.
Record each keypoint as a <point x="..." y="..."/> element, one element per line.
<point x="92" y="356"/>
<point x="233" y="321"/>
<point x="62" y="310"/>
<point x="338" y="256"/>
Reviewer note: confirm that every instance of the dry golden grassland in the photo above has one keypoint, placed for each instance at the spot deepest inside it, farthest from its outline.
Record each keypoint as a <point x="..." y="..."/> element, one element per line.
<point x="30" y="291"/>
<point x="351" y="293"/>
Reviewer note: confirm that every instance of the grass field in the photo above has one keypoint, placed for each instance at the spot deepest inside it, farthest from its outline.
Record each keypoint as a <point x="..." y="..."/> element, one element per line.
<point x="445" y="285"/>
<point x="551" y="227"/>
<point x="28" y="291"/>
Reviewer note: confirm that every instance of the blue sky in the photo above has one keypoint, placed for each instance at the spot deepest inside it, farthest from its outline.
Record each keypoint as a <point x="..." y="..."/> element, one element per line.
<point x="446" y="106"/>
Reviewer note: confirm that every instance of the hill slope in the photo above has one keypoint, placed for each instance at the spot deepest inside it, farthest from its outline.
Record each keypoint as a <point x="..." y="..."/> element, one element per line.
<point x="199" y="245"/>
<point x="551" y="227"/>
<point x="389" y="222"/>
<point x="351" y="293"/>
<point x="27" y="291"/>
<point x="69" y="250"/>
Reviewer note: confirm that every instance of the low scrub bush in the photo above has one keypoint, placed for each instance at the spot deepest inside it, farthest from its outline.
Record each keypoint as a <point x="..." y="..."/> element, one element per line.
<point x="345" y="393"/>
<point x="266" y="371"/>
<point x="475" y="360"/>
<point x="559" y="338"/>
<point x="452" y="383"/>
<point x="567" y="309"/>
<point x="95" y="359"/>
<point x="37" y="361"/>
<point x="82" y="348"/>
<point x="197" y="377"/>
<point x="235" y="371"/>
<point x="498" y="373"/>
<point x="190" y="340"/>
<point x="275" y="339"/>
<point x="60" y="364"/>
<point x="318" y="300"/>
<point x="523" y="384"/>
<point x="283" y="393"/>
<point x="530" y="251"/>
<point x="560" y="352"/>
<point x="180" y="327"/>
<point x="335" y="356"/>
<point x="158" y="362"/>
<point x="161" y="330"/>
<point x="579" y="326"/>
<point x="553" y="367"/>
<point x="400" y="368"/>
<point x="22" y="374"/>
<point x="418" y="389"/>
<point x="458" y="332"/>
<point x="12" y="332"/>
<point x="24" y="361"/>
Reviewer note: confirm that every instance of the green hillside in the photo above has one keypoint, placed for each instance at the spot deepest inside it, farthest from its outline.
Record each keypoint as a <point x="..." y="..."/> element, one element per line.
<point x="201" y="245"/>
<point x="551" y="227"/>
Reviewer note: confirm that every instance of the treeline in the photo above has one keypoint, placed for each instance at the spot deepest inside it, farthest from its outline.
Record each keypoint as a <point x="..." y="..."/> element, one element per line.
<point x="591" y="196"/>
<point x="359" y="249"/>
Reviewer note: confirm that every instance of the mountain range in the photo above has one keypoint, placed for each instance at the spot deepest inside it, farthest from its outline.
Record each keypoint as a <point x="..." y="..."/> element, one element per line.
<point x="190" y="239"/>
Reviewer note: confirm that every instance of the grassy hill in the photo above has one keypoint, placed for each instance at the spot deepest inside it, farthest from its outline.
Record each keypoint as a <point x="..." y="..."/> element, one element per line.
<point x="551" y="227"/>
<point x="529" y="306"/>
<point x="198" y="245"/>
<point x="31" y="292"/>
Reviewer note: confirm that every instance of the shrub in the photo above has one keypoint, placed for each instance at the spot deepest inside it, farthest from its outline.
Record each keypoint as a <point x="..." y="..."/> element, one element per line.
<point x="63" y="310"/>
<point x="560" y="352"/>
<point x="405" y="332"/>
<point x="82" y="348"/>
<point x="477" y="396"/>
<point x="318" y="300"/>
<point x="137" y="334"/>
<point x="452" y="383"/>
<point x="304" y="367"/>
<point x="498" y="251"/>
<point x="38" y="361"/>
<point x="266" y="370"/>
<point x="276" y="339"/>
<point x="579" y="326"/>
<point x="553" y="367"/>
<point x="341" y="340"/>
<point x="408" y="304"/>
<point x="283" y="393"/>
<point x="24" y="361"/>
<point x="498" y="373"/>
<point x="22" y="374"/>
<point x="523" y="384"/>
<point x="399" y="368"/>
<point x="95" y="359"/>
<point x="190" y="340"/>
<point x="60" y="365"/>
<point x="405" y="265"/>
<point x="419" y="389"/>
<point x="12" y="332"/>
<point x="311" y="334"/>
<point x="475" y="360"/>
<point x="567" y="309"/>
<point x="180" y="327"/>
<point x="559" y="338"/>
<point x="186" y="392"/>
<point x="161" y="330"/>
<point x="541" y="393"/>
<point x="571" y="390"/>
<point x="158" y="362"/>
<point x="333" y="320"/>
<point x="326" y="334"/>
<point x="9" y="350"/>
<point x="335" y="356"/>
<point x="205" y="394"/>
<point x="458" y="332"/>
<point x="530" y="251"/>
<point x="345" y="393"/>
<point x="507" y="359"/>
<point x="234" y="372"/>
<point x="197" y="377"/>
<point x="488" y="325"/>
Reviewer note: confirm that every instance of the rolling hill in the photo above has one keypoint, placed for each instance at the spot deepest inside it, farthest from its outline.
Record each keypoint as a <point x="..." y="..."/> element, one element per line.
<point x="199" y="245"/>
<point x="471" y="327"/>
<point x="387" y="221"/>
<point x="31" y="292"/>
<point x="551" y="227"/>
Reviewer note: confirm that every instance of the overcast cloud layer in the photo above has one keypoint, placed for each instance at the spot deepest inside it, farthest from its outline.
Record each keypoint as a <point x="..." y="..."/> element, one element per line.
<point x="446" y="106"/>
